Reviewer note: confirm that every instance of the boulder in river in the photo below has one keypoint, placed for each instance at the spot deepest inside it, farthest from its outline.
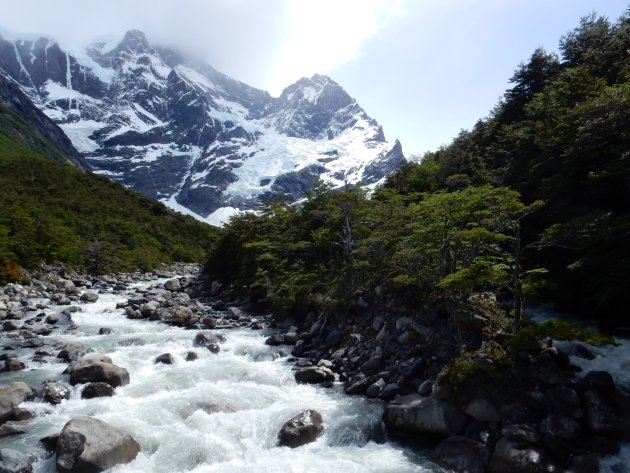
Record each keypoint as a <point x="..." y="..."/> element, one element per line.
<point x="11" y="396"/>
<point x="314" y="375"/>
<point x="92" y="369"/>
<point x="55" y="392"/>
<point x="89" y="297"/>
<point x="463" y="455"/>
<point x="178" y="315"/>
<point x="301" y="429"/>
<point x="415" y="414"/>
<point x="98" y="389"/>
<point x="172" y="285"/>
<point x="88" y="444"/>
<point x="165" y="358"/>
<point x="519" y="457"/>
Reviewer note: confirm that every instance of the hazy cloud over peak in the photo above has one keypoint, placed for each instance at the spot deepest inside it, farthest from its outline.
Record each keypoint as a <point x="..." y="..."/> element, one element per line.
<point x="265" y="43"/>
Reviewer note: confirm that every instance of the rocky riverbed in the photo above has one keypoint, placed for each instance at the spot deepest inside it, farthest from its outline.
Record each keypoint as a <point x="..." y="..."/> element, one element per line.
<point x="139" y="373"/>
<point x="161" y="372"/>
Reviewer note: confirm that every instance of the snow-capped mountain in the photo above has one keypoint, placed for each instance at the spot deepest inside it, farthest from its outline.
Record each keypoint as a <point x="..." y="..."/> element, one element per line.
<point x="192" y="137"/>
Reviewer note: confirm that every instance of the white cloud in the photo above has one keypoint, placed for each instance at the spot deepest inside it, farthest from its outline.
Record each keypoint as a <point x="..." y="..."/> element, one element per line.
<point x="325" y="34"/>
<point x="266" y="43"/>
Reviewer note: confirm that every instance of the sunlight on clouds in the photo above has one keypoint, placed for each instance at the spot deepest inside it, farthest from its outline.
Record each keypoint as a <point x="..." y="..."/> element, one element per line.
<point x="327" y="33"/>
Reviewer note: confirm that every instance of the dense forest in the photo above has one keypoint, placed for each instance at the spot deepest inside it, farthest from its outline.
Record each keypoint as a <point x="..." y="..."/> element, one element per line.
<point x="533" y="201"/>
<point x="56" y="213"/>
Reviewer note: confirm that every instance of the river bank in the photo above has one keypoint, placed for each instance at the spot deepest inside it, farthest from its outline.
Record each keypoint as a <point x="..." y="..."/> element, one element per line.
<point x="219" y="412"/>
<point x="201" y="383"/>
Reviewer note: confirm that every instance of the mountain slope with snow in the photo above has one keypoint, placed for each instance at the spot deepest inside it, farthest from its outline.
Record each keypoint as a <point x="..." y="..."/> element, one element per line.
<point x="183" y="133"/>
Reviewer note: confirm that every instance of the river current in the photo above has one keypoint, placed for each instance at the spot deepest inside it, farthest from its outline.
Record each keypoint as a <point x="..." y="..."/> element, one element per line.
<point x="219" y="413"/>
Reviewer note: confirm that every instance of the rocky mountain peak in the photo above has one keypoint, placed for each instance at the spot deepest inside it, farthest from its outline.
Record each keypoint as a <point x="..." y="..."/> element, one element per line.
<point x="194" y="138"/>
<point x="134" y="41"/>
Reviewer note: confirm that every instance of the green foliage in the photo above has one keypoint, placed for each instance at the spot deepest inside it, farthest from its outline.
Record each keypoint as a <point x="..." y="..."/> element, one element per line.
<point x="560" y="135"/>
<point x="55" y="213"/>
<point x="559" y="330"/>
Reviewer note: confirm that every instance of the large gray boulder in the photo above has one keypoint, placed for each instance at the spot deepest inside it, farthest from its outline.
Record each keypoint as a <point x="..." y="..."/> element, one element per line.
<point x="89" y="297"/>
<point x="11" y="396"/>
<point x="172" y="285"/>
<point x="314" y="375"/>
<point x="180" y="316"/>
<point x="415" y="414"/>
<point x="514" y="456"/>
<point x="463" y="455"/>
<point x="12" y="461"/>
<point x="90" y="445"/>
<point x="301" y="429"/>
<point x="98" y="368"/>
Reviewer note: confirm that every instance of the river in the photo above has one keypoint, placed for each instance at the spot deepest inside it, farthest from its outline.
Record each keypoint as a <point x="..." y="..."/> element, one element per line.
<point x="221" y="412"/>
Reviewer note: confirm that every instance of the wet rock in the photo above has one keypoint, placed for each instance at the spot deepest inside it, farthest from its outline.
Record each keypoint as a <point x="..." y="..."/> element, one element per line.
<point x="178" y="315"/>
<point x="50" y="442"/>
<point x="45" y="351"/>
<point x="105" y="331"/>
<point x="375" y="389"/>
<point x="519" y="457"/>
<point x="213" y="347"/>
<point x="89" y="370"/>
<point x="11" y="325"/>
<point x="12" y="461"/>
<point x="522" y="433"/>
<point x="71" y="351"/>
<point x="411" y="367"/>
<point x="209" y="322"/>
<point x="165" y="358"/>
<point x="483" y="410"/>
<point x="372" y="366"/>
<point x="290" y="338"/>
<point x="87" y="444"/>
<point x="148" y="310"/>
<point x="301" y="429"/>
<point x="191" y="356"/>
<point x="463" y="455"/>
<point x="89" y="297"/>
<point x="55" y="392"/>
<point x="554" y="427"/>
<point x="11" y="396"/>
<point x="390" y="391"/>
<point x="602" y="414"/>
<point x="298" y="349"/>
<point x="358" y="385"/>
<point x="205" y="339"/>
<point x="314" y="375"/>
<point x="425" y="388"/>
<point x="566" y="402"/>
<point x="334" y="338"/>
<point x="415" y="414"/>
<point x="601" y="380"/>
<point x="9" y="431"/>
<point x="275" y="340"/>
<point x="172" y="285"/>
<point x="13" y="364"/>
<point x="98" y="389"/>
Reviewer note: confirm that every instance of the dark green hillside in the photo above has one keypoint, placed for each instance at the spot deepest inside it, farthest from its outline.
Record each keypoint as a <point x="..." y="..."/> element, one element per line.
<point x="24" y="123"/>
<point x="53" y="212"/>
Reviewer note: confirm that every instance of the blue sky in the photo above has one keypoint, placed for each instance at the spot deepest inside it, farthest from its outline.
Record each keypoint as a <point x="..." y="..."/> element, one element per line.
<point x="425" y="69"/>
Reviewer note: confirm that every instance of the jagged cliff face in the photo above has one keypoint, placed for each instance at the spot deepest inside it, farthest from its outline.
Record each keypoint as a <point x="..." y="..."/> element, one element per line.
<point x="192" y="137"/>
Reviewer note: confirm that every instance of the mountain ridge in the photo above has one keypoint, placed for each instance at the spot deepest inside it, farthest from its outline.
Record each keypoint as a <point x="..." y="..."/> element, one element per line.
<point x="188" y="135"/>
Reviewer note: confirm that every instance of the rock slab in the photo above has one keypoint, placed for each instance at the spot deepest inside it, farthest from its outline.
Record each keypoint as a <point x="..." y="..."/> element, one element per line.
<point x="302" y="429"/>
<point x="90" y="445"/>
